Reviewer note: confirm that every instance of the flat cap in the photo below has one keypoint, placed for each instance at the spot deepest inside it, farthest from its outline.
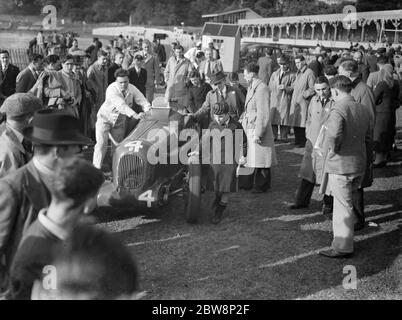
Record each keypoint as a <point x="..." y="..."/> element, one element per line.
<point x="20" y="104"/>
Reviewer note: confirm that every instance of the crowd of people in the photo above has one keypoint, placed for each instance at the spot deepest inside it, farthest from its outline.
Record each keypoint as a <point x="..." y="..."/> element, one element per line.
<point x="341" y="109"/>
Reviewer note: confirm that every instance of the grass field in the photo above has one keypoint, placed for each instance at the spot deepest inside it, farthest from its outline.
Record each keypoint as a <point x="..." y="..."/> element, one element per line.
<point x="263" y="250"/>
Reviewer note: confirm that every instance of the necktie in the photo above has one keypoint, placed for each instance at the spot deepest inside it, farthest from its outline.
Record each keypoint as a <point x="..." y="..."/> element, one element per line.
<point x="209" y="69"/>
<point x="280" y="77"/>
<point x="28" y="149"/>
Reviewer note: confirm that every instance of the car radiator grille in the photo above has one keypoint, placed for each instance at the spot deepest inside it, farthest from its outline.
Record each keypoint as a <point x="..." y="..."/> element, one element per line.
<point x="131" y="171"/>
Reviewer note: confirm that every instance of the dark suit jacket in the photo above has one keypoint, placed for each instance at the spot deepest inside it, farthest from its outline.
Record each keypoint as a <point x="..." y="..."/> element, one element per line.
<point x="25" y="81"/>
<point x="8" y="80"/>
<point x="22" y="196"/>
<point x="317" y="68"/>
<point x="364" y="72"/>
<point x="110" y="73"/>
<point x="138" y="80"/>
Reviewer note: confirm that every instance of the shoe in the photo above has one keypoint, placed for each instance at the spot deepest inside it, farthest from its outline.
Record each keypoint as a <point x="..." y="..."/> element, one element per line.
<point x="359" y="226"/>
<point x="335" y="254"/>
<point x="218" y="214"/>
<point x="380" y="165"/>
<point x="297" y="206"/>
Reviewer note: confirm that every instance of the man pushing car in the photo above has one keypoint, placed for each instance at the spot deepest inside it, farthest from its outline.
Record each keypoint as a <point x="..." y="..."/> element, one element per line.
<point x="121" y="98"/>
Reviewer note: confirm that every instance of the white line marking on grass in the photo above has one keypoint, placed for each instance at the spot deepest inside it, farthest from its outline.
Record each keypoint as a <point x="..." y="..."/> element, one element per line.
<point x="319" y="226"/>
<point x="230" y="248"/>
<point x="292" y="259"/>
<point x="293" y="217"/>
<point x="385" y="227"/>
<point x="373" y="207"/>
<point x="380" y="216"/>
<point x="203" y="279"/>
<point x="127" y="224"/>
<point x="178" y="236"/>
<point x="327" y="225"/>
<point x="297" y="217"/>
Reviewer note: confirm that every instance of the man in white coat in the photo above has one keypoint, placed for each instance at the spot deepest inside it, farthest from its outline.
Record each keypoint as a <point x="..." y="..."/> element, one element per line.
<point x="176" y="74"/>
<point x="260" y="140"/>
<point x="303" y="90"/>
<point x="112" y="115"/>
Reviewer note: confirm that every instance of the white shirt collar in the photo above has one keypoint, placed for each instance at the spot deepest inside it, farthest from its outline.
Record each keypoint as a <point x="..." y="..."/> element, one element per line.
<point x="30" y="66"/>
<point x="52" y="226"/>
<point x="224" y="91"/>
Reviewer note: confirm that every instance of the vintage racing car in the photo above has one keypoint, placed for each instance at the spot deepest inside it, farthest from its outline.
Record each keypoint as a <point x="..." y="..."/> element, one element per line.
<point x="138" y="182"/>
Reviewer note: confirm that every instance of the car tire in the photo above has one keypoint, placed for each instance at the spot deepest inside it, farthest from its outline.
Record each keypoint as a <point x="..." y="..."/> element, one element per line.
<point x="193" y="201"/>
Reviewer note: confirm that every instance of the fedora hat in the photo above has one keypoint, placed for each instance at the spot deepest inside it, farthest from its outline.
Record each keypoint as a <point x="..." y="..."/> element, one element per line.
<point x="218" y="77"/>
<point x="55" y="127"/>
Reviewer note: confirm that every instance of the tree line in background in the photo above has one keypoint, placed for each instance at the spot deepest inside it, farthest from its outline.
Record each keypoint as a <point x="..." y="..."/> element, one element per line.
<point x="174" y="12"/>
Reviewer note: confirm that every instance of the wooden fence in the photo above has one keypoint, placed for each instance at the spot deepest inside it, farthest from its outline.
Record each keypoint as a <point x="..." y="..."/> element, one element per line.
<point x="20" y="57"/>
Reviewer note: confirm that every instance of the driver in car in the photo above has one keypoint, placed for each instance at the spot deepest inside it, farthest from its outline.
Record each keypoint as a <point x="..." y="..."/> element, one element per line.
<point x="121" y="98"/>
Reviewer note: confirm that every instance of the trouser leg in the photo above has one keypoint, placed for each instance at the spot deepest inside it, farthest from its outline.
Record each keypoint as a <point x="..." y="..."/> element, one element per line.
<point x="224" y="196"/>
<point x="262" y="179"/>
<point x="358" y="205"/>
<point x="304" y="192"/>
<point x="150" y="90"/>
<point x="284" y="131"/>
<point x="328" y="202"/>
<point x="300" y="135"/>
<point x="275" y="131"/>
<point x="102" y="130"/>
<point x="343" y="218"/>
